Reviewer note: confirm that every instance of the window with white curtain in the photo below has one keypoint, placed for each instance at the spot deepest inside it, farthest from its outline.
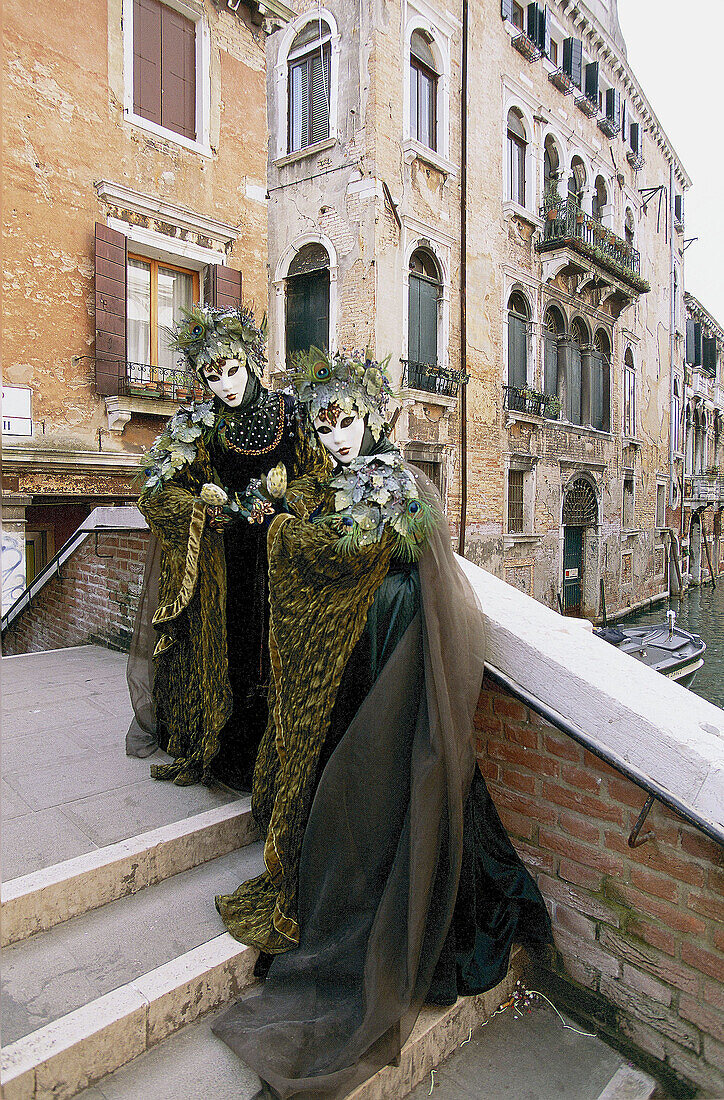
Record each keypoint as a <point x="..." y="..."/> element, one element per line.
<point x="157" y="294"/>
<point x="517" y="149"/>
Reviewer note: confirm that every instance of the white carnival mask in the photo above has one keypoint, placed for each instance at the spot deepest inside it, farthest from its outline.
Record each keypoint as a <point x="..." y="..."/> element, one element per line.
<point x="227" y="378"/>
<point x="341" y="433"/>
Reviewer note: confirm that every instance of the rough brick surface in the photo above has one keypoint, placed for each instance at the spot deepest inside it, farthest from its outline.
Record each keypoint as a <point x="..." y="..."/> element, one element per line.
<point x="93" y="599"/>
<point x="638" y="929"/>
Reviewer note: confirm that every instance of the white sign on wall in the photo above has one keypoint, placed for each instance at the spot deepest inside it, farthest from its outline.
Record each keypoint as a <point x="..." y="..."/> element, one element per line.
<point x="16" y="415"/>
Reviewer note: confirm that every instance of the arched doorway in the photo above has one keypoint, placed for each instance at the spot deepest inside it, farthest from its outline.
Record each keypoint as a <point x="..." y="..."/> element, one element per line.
<point x="580" y="510"/>
<point x="307" y="301"/>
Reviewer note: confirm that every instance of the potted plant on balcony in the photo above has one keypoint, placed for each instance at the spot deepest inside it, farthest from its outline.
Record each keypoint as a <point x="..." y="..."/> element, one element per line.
<point x="551" y="198"/>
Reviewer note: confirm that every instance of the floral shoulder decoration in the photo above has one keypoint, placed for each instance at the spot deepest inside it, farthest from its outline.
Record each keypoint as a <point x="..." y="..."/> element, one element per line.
<point x="377" y="492"/>
<point x="206" y="334"/>
<point x="354" y="383"/>
<point x="177" y="445"/>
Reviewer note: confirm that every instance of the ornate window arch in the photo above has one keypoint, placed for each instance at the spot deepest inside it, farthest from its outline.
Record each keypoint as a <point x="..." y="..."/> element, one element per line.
<point x="517" y="158"/>
<point x="580" y="503"/>
<point x="306" y="82"/>
<point x="426" y="90"/>
<point x="518" y="316"/>
<point x="309" y="264"/>
<point x="629" y="394"/>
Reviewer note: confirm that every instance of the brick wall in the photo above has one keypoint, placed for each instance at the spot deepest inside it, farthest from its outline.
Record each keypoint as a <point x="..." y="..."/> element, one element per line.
<point x="639" y="932"/>
<point x="93" y="599"/>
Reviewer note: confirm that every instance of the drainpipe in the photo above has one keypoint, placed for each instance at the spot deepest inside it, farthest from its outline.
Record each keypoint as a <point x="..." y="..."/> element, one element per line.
<point x="463" y="284"/>
<point x="672" y="335"/>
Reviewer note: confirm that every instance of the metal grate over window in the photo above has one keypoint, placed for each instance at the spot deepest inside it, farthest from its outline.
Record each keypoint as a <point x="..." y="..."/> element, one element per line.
<point x="579" y="505"/>
<point x="515" y="501"/>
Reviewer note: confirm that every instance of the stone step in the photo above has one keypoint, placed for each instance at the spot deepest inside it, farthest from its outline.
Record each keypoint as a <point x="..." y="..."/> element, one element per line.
<point x="86" y="996"/>
<point x="194" y="1065"/>
<point x="38" y="901"/>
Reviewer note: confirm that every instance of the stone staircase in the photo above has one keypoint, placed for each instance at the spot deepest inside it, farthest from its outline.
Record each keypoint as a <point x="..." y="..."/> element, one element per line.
<point x="114" y="963"/>
<point x="109" y="955"/>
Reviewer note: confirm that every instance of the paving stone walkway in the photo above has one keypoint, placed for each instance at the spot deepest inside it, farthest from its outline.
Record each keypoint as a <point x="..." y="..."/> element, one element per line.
<point x="67" y="785"/>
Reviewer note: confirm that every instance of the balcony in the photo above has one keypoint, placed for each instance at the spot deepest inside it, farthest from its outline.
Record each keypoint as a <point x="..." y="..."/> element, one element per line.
<point x="431" y="379"/>
<point x="562" y="81"/>
<point x="530" y="50"/>
<point x="704" y="489"/>
<point x="530" y="402"/>
<point x="636" y="160"/>
<point x="588" y="106"/>
<point x="145" y="390"/>
<point x="567" y="226"/>
<point x="609" y="126"/>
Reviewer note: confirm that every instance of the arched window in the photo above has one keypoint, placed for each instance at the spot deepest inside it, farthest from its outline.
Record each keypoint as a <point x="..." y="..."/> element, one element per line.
<point x="308" y="65"/>
<point x="629" y="395"/>
<point x="600" y="382"/>
<point x="600" y="198"/>
<point x="517" y="150"/>
<point x="577" y="181"/>
<point x="551" y="171"/>
<point x="676" y="417"/>
<point x="518" y="316"/>
<point x="423" y="90"/>
<point x="554" y="327"/>
<point x="307" y="301"/>
<point x="424" y="293"/>
<point x="630" y="226"/>
<point x="689" y="443"/>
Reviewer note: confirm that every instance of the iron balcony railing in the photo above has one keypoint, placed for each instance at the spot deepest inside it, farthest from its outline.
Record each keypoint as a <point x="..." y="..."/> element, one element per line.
<point x="430" y="378"/>
<point x="166" y="383"/>
<point x="566" y="225"/>
<point x="706" y="488"/>
<point x="526" y="400"/>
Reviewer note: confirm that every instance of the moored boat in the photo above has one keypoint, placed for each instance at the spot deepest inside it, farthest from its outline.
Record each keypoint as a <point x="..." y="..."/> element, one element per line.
<point x="665" y="647"/>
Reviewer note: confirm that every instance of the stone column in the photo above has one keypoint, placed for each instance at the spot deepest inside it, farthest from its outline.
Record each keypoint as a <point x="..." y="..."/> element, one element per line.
<point x="13" y="547"/>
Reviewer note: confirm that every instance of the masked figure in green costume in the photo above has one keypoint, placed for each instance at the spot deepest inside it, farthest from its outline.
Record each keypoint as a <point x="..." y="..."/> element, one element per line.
<point x="389" y="880"/>
<point x="204" y="612"/>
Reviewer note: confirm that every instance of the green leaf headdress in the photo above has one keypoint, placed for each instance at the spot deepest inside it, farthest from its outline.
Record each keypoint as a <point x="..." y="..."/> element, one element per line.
<point x="352" y="382"/>
<point x="206" y="334"/>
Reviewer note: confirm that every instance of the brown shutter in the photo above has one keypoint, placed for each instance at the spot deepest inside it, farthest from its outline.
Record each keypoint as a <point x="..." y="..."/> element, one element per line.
<point x="147" y="59"/>
<point x="223" y="287"/>
<point x="110" y="290"/>
<point x="178" y="72"/>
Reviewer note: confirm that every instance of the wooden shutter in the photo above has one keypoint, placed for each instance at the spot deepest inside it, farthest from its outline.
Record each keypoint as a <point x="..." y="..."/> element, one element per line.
<point x="573" y="382"/>
<point x="147" y="59"/>
<point x="298" y="100"/>
<point x="708" y="354"/>
<point x="319" y="106"/>
<point x="307" y="312"/>
<point x="679" y="208"/>
<point x="573" y="59"/>
<point x="613" y="104"/>
<point x="550" y="365"/>
<point x="537" y="25"/>
<point x="222" y="288"/>
<point x="595" y="367"/>
<point x="178" y="72"/>
<point x="506" y="9"/>
<point x="592" y="81"/>
<point x="110" y="294"/>
<point x="635" y="137"/>
<point x="422" y="321"/>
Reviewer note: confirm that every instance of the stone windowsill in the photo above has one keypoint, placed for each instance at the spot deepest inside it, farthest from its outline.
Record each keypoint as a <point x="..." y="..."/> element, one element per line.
<point x="515" y="210"/>
<point x="119" y="410"/>
<point x="425" y="397"/>
<point x="415" y="150"/>
<point x="520" y="540"/>
<point x="307" y="151"/>
<point x="631" y="532"/>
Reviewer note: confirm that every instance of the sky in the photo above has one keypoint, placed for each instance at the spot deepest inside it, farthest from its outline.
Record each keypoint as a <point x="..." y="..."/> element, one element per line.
<point x="675" y="50"/>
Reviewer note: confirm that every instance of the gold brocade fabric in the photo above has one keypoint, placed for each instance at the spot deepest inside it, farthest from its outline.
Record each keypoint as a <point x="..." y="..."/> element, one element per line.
<point x="192" y="691"/>
<point x="319" y="598"/>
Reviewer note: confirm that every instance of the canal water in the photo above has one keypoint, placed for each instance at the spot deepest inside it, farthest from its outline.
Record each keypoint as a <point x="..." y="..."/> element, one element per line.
<point x="700" y="610"/>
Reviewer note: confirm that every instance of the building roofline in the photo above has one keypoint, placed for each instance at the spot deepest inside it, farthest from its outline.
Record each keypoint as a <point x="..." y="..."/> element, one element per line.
<point x="694" y="306"/>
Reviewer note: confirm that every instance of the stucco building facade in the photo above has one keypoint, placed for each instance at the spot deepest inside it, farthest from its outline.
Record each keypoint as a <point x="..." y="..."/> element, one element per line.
<point x="134" y="181"/>
<point x="573" y="295"/>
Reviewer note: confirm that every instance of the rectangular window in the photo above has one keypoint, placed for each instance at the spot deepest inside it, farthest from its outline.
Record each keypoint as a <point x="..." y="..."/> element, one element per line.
<point x="573" y="59"/>
<point x="676" y="423"/>
<point x="627" y="515"/>
<point x="661" y="505"/>
<point x="164" y="67"/>
<point x="157" y="293"/>
<point x="515" y="501"/>
<point x="517" y="17"/>
<point x="423" y="104"/>
<point x="553" y="51"/>
<point x="309" y="99"/>
<point x="629" y="402"/>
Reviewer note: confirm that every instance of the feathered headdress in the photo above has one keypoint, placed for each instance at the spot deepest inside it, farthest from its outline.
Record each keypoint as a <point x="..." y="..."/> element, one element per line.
<point x="352" y="382"/>
<point x="206" y="335"/>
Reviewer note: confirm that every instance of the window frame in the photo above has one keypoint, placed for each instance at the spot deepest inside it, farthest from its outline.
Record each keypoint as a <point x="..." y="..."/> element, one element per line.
<point x="304" y="55"/>
<point x="525" y="319"/>
<point x="154" y="265"/>
<point x="202" y="143"/>
<point x="517" y="502"/>
<point x="517" y="162"/>
<point x="419" y="69"/>
<point x="628" y="403"/>
<point x="279" y="98"/>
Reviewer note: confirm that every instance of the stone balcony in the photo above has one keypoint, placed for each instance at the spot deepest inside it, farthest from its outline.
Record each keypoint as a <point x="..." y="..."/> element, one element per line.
<point x="704" y="489"/>
<point x="590" y="242"/>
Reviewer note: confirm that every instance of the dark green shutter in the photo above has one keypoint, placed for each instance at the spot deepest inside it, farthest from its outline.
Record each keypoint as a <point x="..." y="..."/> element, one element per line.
<point x="422" y="321"/>
<point x="592" y="82"/>
<point x="550" y="365"/>
<point x="517" y="351"/>
<point x="573" y="59"/>
<point x="690" y="341"/>
<point x="596" y="377"/>
<point x="635" y="137"/>
<point x="573" y="384"/>
<point x="537" y="25"/>
<point x="307" y="312"/>
<point x="613" y="105"/>
<point x="708" y="357"/>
